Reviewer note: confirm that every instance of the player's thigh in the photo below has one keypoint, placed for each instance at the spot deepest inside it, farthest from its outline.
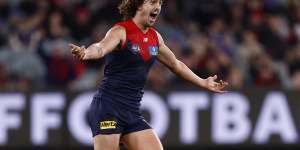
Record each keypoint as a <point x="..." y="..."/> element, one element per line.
<point x="106" y="142"/>
<point x="142" y="140"/>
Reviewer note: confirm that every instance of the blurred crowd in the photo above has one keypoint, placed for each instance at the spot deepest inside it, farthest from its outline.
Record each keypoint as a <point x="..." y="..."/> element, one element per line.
<point x="249" y="43"/>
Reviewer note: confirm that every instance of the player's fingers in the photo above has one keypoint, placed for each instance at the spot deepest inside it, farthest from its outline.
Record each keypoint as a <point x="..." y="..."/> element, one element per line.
<point x="74" y="51"/>
<point x="72" y="45"/>
<point x="220" y="87"/>
<point x="81" y="55"/>
<point x="215" y="77"/>
<point x="212" y="84"/>
<point x="77" y="49"/>
<point x="223" y="83"/>
<point x="74" y="48"/>
<point x="216" y="84"/>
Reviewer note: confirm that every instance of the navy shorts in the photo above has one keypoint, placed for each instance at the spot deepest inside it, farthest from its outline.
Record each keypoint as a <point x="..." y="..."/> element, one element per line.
<point x="106" y="117"/>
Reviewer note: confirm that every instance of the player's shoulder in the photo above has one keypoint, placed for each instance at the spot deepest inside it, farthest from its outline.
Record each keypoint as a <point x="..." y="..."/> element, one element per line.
<point x="124" y="24"/>
<point x="159" y="37"/>
<point x="117" y="29"/>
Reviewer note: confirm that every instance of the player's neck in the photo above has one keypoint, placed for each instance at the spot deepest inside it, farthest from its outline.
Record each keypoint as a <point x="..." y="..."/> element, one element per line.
<point x="140" y="25"/>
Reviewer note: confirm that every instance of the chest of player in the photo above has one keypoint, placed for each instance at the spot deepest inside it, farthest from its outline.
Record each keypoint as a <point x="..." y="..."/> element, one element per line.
<point x="142" y="46"/>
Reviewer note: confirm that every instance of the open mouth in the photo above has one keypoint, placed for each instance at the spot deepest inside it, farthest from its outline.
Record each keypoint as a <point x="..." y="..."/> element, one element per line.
<point x="154" y="14"/>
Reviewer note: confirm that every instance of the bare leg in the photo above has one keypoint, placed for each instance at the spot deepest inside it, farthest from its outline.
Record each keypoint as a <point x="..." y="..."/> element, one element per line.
<point x="107" y="142"/>
<point x="142" y="140"/>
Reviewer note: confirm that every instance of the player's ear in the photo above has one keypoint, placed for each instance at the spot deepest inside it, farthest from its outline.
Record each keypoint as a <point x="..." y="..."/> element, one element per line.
<point x="139" y="8"/>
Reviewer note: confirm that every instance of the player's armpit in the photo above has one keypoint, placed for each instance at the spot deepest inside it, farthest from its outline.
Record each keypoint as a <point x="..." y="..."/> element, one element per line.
<point x="166" y="56"/>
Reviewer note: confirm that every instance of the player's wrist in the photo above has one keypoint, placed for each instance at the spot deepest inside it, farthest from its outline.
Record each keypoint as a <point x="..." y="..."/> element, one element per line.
<point x="203" y="83"/>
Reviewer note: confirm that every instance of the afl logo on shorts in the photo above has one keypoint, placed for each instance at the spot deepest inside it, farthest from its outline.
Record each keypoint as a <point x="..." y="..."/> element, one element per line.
<point x="153" y="50"/>
<point x="108" y="125"/>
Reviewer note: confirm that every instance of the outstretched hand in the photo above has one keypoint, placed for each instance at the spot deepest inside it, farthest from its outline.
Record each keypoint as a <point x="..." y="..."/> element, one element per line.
<point x="77" y="52"/>
<point x="214" y="86"/>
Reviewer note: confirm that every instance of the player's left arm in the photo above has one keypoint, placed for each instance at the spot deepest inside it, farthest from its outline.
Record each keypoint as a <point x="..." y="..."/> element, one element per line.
<point x="167" y="57"/>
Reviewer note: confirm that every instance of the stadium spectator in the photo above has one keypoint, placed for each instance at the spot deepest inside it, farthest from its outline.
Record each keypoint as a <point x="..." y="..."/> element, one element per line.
<point x="251" y="43"/>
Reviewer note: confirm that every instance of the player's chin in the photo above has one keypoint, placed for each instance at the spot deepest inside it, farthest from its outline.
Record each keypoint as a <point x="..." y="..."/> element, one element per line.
<point x="151" y="23"/>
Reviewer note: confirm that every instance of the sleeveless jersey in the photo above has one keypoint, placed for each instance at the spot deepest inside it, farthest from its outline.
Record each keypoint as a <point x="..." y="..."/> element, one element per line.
<point x="126" y="70"/>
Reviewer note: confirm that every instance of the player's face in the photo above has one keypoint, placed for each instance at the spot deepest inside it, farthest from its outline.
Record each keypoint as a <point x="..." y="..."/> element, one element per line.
<point x="150" y="11"/>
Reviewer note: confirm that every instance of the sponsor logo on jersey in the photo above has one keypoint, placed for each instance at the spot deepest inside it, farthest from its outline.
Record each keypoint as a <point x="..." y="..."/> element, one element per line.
<point x="153" y="50"/>
<point x="135" y="48"/>
<point x="108" y="125"/>
<point x="145" y="40"/>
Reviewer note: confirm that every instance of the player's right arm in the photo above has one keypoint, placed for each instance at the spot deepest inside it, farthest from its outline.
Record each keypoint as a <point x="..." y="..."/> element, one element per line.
<point x="114" y="37"/>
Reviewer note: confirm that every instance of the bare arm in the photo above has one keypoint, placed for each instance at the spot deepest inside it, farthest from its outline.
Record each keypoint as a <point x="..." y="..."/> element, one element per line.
<point x="112" y="39"/>
<point x="167" y="57"/>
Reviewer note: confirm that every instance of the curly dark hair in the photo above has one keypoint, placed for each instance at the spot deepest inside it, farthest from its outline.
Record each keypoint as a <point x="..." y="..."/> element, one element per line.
<point x="128" y="8"/>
